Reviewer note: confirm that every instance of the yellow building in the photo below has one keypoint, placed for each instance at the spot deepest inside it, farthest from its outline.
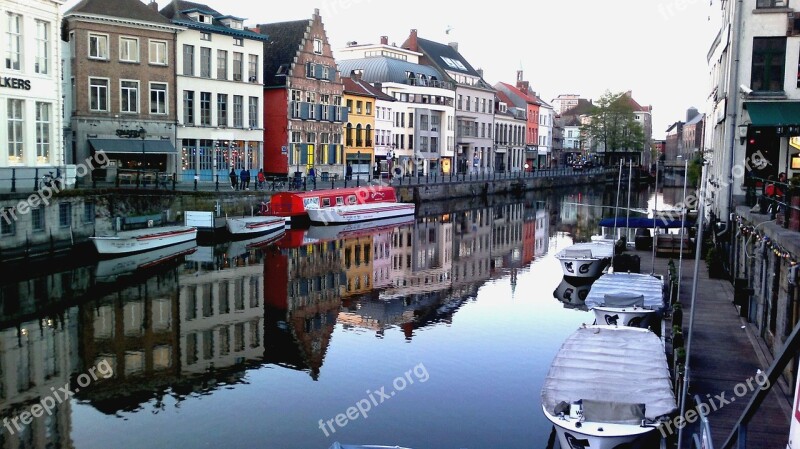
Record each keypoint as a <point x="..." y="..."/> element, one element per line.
<point x="357" y="259"/>
<point x="359" y="149"/>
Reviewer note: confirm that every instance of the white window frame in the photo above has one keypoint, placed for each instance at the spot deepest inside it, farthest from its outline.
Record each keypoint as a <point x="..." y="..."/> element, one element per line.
<point x="252" y="114"/>
<point x="15" y="140"/>
<point x="123" y="40"/>
<point x="99" y="55"/>
<point x="318" y="46"/>
<point x="205" y="36"/>
<point x="89" y="92"/>
<point x="238" y="41"/>
<point x="42" y="58"/>
<point x="154" y="56"/>
<point x="294" y="137"/>
<point x="14" y="43"/>
<point x="123" y="91"/>
<point x="166" y="97"/>
<point x="44" y="132"/>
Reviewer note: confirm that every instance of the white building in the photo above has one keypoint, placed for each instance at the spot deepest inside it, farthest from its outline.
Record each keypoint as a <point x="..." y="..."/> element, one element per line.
<point x="219" y="92"/>
<point x="546" y="118"/>
<point x="564" y="103"/>
<point x="30" y="89"/>
<point x="509" y="134"/>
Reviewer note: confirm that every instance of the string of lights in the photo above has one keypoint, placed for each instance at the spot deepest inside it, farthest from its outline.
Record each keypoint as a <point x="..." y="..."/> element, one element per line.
<point x="760" y="238"/>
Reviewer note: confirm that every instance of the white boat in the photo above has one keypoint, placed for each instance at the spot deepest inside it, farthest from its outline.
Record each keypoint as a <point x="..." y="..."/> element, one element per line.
<point x="110" y="269"/>
<point x="357" y="229"/>
<point x="262" y="224"/>
<point x="627" y="299"/>
<point x="240" y="247"/>
<point x="585" y="260"/>
<point x="127" y="242"/>
<point x="609" y="387"/>
<point x="573" y="291"/>
<point x="358" y="212"/>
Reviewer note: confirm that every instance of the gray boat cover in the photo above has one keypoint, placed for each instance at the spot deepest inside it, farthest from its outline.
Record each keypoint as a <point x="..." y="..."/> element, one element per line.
<point x="620" y="366"/>
<point x="598" y="250"/>
<point x="617" y="285"/>
<point x="629" y="300"/>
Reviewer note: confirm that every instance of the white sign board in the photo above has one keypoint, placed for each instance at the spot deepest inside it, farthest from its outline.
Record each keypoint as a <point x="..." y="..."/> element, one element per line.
<point x="198" y="219"/>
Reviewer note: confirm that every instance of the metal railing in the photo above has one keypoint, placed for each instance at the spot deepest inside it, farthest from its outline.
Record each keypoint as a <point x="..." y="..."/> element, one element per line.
<point x="702" y="439"/>
<point x="777" y="203"/>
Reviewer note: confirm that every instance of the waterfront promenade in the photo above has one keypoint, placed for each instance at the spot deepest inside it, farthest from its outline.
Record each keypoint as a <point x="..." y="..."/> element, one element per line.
<point x="725" y="353"/>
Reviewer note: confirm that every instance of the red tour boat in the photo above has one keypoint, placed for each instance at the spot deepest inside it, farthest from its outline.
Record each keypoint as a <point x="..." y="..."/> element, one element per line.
<point x="292" y="205"/>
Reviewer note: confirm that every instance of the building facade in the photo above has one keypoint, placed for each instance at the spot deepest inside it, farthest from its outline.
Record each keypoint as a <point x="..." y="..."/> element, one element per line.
<point x="303" y="110"/>
<point x="525" y="99"/>
<point x="30" y="89"/>
<point x="219" y="85"/>
<point x="546" y="123"/>
<point x="359" y="132"/>
<point x="122" y="57"/>
<point x="509" y="135"/>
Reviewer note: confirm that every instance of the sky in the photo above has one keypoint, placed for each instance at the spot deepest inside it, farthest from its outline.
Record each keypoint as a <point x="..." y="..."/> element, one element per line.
<point x="654" y="48"/>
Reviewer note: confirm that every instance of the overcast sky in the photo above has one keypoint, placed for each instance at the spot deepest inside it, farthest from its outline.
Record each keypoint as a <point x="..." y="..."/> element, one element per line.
<point x="655" y="48"/>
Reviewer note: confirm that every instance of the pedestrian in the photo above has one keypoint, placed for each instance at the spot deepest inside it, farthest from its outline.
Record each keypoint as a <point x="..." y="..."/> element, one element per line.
<point x="233" y="177"/>
<point x="244" y="177"/>
<point x="312" y="175"/>
<point x="261" y="179"/>
<point x="349" y="172"/>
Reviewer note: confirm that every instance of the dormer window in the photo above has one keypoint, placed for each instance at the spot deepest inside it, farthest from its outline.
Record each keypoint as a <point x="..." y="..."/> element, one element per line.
<point x="232" y="23"/>
<point x="204" y="18"/>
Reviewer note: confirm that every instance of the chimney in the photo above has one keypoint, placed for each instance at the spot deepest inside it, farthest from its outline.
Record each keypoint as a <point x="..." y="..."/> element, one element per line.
<point x="412" y="40"/>
<point x="153" y="5"/>
<point x="480" y="72"/>
<point x="523" y="86"/>
<point x="453" y="45"/>
<point x="384" y="40"/>
<point x="690" y="114"/>
<point x="316" y="12"/>
<point x="355" y="74"/>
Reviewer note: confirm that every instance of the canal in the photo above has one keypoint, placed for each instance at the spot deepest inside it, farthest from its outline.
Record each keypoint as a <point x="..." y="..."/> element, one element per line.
<point x="432" y="334"/>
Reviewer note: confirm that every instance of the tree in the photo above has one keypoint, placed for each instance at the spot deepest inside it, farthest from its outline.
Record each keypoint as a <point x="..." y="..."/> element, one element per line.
<point x="612" y="124"/>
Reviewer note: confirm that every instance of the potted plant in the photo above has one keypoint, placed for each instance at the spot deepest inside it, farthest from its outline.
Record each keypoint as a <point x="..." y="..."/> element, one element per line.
<point x="679" y="355"/>
<point x="677" y="337"/>
<point x="677" y="314"/>
<point x="714" y="263"/>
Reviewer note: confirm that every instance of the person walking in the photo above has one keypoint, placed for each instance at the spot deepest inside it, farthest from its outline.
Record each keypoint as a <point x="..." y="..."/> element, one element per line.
<point x="244" y="176"/>
<point x="233" y="177"/>
<point x="261" y="179"/>
<point x="349" y="172"/>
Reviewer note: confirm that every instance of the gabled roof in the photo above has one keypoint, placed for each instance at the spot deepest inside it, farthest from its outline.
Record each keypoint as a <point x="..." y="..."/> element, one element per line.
<point x="359" y="87"/>
<point x="583" y="107"/>
<point x="280" y="48"/>
<point x="519" y="98"/>
<point x="501" y="96"/>
<point x="633" y="104"/>
<point x="178" y="11"/>
<point x="386" y="70"/>
<point x="125" y="9"/>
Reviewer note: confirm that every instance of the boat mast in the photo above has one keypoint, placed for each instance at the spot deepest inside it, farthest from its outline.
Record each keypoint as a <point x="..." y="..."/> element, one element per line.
<point x="628" y="211"/>
<point x="616" y="209"/>
<point x="683" y="227"/>
<point x="655" y="229"/>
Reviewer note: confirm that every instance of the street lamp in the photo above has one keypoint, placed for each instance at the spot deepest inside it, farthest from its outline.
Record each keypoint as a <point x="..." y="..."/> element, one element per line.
<point x="142" y="134"/>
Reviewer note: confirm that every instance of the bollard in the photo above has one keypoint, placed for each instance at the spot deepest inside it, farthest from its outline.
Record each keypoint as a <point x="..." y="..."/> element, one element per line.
<point x="174" y="181"/>
<point x="195" y="183"/>
<point x="216" y="187"/>
<point x="35" y="179"/>
<point x="116" y="181"/>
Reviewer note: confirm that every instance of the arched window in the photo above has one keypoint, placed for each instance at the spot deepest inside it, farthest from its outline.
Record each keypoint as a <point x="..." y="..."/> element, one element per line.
<point x="368" y="136"/>
<point x="349" y="135"/>
<point x="359" y="139"/>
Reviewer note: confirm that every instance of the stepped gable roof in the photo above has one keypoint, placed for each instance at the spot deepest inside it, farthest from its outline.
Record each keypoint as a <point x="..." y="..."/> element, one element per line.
<point x="280" y="48"/>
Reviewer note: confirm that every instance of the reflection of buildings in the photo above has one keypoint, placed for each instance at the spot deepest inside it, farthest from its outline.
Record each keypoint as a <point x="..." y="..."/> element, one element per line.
<point x="421" y="257"/>
<point x="35" y="357"/>
<point x="472" y="238"/>
<point x="541" y="233"/>
<point x="357" y="259"/>
<point x="382" y="259"/>
<point x="507" y="236"/>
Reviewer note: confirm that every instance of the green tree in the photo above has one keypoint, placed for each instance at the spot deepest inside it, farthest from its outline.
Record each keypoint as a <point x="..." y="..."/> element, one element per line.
<point x="612" y="124"/>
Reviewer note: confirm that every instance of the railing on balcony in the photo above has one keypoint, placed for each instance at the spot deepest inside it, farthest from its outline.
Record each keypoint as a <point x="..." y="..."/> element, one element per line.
<point x="429" y="83"/>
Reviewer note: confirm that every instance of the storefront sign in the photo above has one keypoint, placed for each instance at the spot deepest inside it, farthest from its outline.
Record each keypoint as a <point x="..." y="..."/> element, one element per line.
<point x="129" y="133"/>
<point x="15" y="83"/>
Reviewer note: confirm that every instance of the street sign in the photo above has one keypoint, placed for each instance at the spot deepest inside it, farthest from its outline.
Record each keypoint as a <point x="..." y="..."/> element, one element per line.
<point x="284" y="150"/>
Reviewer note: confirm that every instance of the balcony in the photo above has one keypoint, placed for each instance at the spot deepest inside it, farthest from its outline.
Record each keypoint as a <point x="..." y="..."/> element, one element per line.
<point x="430" y="83"/>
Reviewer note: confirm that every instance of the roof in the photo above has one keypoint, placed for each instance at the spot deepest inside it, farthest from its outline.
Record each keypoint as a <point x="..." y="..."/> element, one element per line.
<point x="284" y="39"/>
<point x="359" y="87"/>
<point x="177" y="11"/>
<point x="446" y="57"/>
<point x="126" y="9"/>
<point x="633" y="104"/>
<point x="582" y="108"/>
<point x="630" y="361"/>
<point x="382" y="69"/>
<point x="651" y="287"/>
<point x="515" y="94"/>
<point x="695" y="120"/>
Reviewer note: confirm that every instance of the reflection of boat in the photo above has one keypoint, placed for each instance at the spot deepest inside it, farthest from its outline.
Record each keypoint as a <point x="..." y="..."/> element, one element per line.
<point x="627" y="299"/>
<point x="356" y="229"/>
<point x="361" y="446"/>
<point x="358" y="212"/>
<point x="585" y="260"/>
<point x="239" y="247"/>
<point x="292" y="205"/>
<point x="608" y="387"/>
<point x="126" y="242"/>
<point x="108" y="270"/>
<point x="254" y="225"/>
<point x="573" y="291"/>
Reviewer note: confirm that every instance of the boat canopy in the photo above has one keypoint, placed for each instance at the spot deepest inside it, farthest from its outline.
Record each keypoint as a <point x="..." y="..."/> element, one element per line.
<point x="644" y="222"/>
<point x="612" y="289"/>
<point x="588" y="250"/>
<point x="620" y="373"/>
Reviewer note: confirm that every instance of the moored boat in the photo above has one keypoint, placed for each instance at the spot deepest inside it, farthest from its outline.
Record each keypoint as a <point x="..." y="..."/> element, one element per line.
<point x="609" y="387"/>
<point x="127" y="242"/>
<point x="293" y="206"/>
<point x="111" y="269"/>
<point x="358" y="212"/>
<point x="586" y="260"/>
<point x="358" y="229"/>
<point x="627" y="299"/>
<point x="241" y="226"/>
<point x="240" y="247"/>
<point x="573" y="291"/>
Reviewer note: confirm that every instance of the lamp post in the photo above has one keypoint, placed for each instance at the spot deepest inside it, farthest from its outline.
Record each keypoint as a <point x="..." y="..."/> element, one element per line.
<point x="142" y="134"/>
<point x="358" y="165"/>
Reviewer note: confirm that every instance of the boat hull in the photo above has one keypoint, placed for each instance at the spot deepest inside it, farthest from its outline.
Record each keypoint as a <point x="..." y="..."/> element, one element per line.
<point x="356" y="213"/>
<point x="110" y="270"/>
<point x="623" y="316"/>
<point x="241" y="247"/>
<point x="612" y="436"/>
<point x="130" y="242"/>
<point x="252" y="226"/>
<point x="583" y="267"/>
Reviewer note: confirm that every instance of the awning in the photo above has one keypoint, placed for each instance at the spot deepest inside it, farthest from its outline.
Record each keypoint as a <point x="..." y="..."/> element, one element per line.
<point x="133" y="146"/>
<point x="773" y="113"/>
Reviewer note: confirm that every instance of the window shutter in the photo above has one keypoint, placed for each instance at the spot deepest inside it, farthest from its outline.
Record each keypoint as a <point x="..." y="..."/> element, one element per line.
<point x="309" y="69"/>
<point x="331" y="113"/>
<point x="344" y="114"/>
<point x="332" y="154"/>
<point x="332" y="73"/>
<point x="304" y="110"/>
<point x="304" y="153"/>
<point x="318" y="114"/>
<point x="318" y="71"/>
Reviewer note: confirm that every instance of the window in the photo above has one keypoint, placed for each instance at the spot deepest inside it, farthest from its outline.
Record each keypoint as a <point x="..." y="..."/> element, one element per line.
<point x="98" y="94"/>
<point x="252" y="116"/>
<point x="14" y="42"/>
<point x="311" y="138"/>
<point x="42" y="63"/>
<point x="205" y="62"/>
<point x="358" y="107"/>
<point x="188" y="60"/>
<point x="205" y="108"/>
<point x="188" y="107"/>
<point x="238" y="101"/>
<point x="43" y="117"/>
<point x="222" y="64"/>
<point x="318" y="46"/>
<point x="295" y="137"/>
<point x="129" y="96"/>
<point x="98" y="46"/>
<point x="128" y="49"/>
<point x="158" y="52"/>
<point x="6" y="222"/>
<point x="349" y="106"/>
<point x="359" y="141"/>
<point x="252" y="68"/>
<point x="295" y="95"/>
<point x="37" y="218"/>
<point x="769" y="56"/>
<point x="771" y="4"/>
<point x="205" y="36"/>
<point x="369" y="108"/>
<point x="158" y="98"/>
<point x="237" y="66"/>
<point x="326" y="72"/>
<point x="65" y="215"/>
<point x="88" y="211"/>
<point x="222" y="109"/>
<point x="15" y="130"/>
<point x="483" y="105"/>
<point x="238" y="41"/>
